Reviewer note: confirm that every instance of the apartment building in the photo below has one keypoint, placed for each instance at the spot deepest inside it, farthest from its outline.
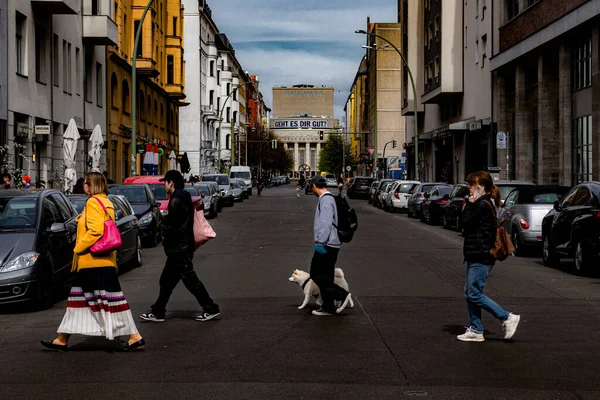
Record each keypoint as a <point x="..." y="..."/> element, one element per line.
<point x="160" y="84"/>
<point x="54" y="70"/>
<point x="547" y="89"/>
<point x="356" y="123"/>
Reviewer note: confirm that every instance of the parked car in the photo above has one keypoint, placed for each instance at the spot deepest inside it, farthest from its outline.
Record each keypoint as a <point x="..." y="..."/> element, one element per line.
<point x="236" y="191"/>
<point x="414" y="203"/>
<point x="454" y="205"/>
<point x="383" y="184"/>
<point x="246" y="190"/>
<point x="146" y="208"/>
<point x="432" y="207"/>
<point x="217" y="194"/>
<point x="383" y="194"/>
<point x="210" y="199"/>
<point x="224" y="186"/>
<point x="37" y="236"/>
<point x="196" y="196"/>
<point x="398" y="195"/>
<point x="358" y="187"/>
<point x="372" y="191"/>
<point x="242" y="172"/>
<point x="572" y="228"/>
<point x="130" y="252"/>
<point x="331" y="181"/>
<point x="157" y="187"/>
<point x="507" y="186"/>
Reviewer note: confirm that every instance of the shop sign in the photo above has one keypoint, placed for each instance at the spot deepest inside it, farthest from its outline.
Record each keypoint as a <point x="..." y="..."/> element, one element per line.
<point x="42" y="129"/>
<point x="23" y="129"/>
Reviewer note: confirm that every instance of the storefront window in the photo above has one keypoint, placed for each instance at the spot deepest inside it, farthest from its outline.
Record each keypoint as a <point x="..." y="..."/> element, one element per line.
<point x="582" y="149"/>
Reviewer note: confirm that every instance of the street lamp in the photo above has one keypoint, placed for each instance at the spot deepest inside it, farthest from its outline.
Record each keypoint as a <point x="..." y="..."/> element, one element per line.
<point x="414" y="88"/>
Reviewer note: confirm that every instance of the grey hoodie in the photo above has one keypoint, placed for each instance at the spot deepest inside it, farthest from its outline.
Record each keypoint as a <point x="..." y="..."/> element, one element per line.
<point x="325" y="217"/>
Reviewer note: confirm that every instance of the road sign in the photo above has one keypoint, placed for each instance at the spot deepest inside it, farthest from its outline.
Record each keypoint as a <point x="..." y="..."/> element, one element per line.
<point x="403" y="154"/>
<point x="371" y="151"/>
<point x="501" y="140"/>
<point x="348" y="168"/>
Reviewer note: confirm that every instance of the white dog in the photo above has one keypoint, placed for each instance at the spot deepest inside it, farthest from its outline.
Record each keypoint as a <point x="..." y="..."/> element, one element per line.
<point x="310" y="288"/>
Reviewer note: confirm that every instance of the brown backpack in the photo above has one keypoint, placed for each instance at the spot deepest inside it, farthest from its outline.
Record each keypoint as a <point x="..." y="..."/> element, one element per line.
<point x="503" y="246"/>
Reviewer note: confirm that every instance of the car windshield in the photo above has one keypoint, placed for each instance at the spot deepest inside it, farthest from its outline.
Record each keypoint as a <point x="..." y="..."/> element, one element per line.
<point x="18" y="212"/>
<point x="426" y="188"/>
<point x="241" y="174"/>
<point x="362" y="182"/>
<point x="78" y="203"/>
<point x="220" y="179"/>
<point x="241" y="183"/>
<point x="134" y="194"/>
<point x="505" y="190"/>
<point x="160" y="192"/>
<point x="191" y="190"/>
<point x="204" y="190"/>
<point x="235" y="185"/>
<point x="407" y="187"/>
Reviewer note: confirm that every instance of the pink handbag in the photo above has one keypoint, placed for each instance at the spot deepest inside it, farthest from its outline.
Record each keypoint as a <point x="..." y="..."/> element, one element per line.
<point x="111" y="239"/>
<point x="203" y="232"/>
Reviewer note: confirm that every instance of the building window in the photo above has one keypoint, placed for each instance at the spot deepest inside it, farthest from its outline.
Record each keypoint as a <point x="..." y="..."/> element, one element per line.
<point x="477" y="52"/>
<point x="170" y="70"/>
<point x="218" y="77"/>
<point x="582" y="65"/>
<point x="55" y="61"/>
<point x="114" y="91"/>
<point x="125" y="97"/>
<point x="77" y="71"/>
<point x="437" y="28"/>
<point x="174" y="26"/>
<point x="140" y="47"/>
<point x="65" y="67"/>
<point x="212" y="68"/>
<point x="234" y="119"/>
<point x="582" y="149"/>
<point x="512" y="9"/>
<point x="211" y="98"/>
<point x="21" y="42"/>
<point x="218" y="104"/>
<point x="235" y="94"/>
<point x="95" y="10"/>
<point x="99" y="93"/>
<point x="88" y="77"/>
<point x="483" y="49"/>
<point x="436" y="70"/>
<point x="228" y="116"/>
<point x="228" y="88"/>
<point x="40" y="53"/>
<point x="227" y="142"/>
<point x="430" y="29"/>
<point x="483" y="8"/>
<point x="70" y="68"/>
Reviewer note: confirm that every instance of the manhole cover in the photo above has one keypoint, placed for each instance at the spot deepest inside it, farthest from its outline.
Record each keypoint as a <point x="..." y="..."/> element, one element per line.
<point x="415" y="394"/>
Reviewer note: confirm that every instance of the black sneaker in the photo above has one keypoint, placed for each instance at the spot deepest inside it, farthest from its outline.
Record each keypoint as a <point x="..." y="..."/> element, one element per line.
<point x="207" y="316"/>
<point x="150" y="316"/>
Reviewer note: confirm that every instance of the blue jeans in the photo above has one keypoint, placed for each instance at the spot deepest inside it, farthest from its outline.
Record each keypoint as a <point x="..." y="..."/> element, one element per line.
<point x="475" y="281"/>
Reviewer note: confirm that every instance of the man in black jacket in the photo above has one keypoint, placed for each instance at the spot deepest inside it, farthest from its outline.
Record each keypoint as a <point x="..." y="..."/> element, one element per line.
<point x="178" y="241"/>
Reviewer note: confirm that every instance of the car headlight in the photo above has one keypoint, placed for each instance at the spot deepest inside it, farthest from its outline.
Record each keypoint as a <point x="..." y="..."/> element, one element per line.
<point x="25" y="260"/>
<point x="164" y="212"/>
<point x="206" y="205"/>
<point x="146" y="218"/>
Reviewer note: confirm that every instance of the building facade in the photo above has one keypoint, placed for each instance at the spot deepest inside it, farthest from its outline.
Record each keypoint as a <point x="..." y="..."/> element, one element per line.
<point x="357" y="124"/>
<point x="55" y="65"/>
<point x="302" y="119"/>
<point x="547" y="90"/>
<point x="3" y="72"/>
<point x="160" y="84"/>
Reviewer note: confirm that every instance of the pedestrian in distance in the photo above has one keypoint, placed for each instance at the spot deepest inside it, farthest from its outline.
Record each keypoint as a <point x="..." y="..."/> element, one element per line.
<point x="6" y="180"/>
<point x="96" y="305"/>
<point x="26" y="182"/>
<point x="326" y="250"/>
<point x="478" y="220"/>
<point x="179" y="245"/>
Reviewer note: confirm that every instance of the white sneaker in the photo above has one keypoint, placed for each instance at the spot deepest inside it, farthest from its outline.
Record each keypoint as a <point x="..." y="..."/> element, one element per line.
<point x="470" y="336"/>
<point x="510" y="325"/>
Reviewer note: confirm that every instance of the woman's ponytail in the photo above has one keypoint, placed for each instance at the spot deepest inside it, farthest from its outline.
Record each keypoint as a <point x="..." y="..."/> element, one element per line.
<point x="496" y="195"/>
<point x="484" y="179"/>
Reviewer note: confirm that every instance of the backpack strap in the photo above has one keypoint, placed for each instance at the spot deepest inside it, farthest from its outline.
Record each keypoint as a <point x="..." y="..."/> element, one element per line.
<point x="336" y="211"/>
<point x="493" y="212"/>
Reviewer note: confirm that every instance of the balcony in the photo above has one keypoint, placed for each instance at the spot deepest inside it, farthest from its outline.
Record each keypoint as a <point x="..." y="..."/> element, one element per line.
<point x="175" y="91"/>
<point x="209" y="112"/>
<point x="56" y="7"/>
<point x="146" y="67"/>
<point x="100" y="30"/>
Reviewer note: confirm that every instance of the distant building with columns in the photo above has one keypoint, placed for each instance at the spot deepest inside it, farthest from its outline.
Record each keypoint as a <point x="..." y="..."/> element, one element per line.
<point x="302" y="118"/>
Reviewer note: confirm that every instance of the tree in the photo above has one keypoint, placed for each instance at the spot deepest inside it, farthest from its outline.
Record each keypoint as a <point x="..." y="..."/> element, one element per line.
<point x="262" y="153"/>
<point x="333" y="155"/>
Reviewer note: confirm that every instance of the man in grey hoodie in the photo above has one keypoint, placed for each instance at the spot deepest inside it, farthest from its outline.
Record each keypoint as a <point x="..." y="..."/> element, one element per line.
<point x="327" y="247"/>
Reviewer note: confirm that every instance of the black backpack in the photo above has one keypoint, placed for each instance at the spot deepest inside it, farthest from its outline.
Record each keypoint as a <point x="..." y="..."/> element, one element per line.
<point x="347" y="219"/>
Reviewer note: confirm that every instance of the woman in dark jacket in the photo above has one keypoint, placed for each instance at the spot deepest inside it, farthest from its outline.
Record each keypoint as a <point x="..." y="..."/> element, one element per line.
<point x="479" y="222"/>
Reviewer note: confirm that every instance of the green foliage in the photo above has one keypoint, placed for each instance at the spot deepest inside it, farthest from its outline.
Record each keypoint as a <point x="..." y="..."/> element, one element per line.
<point x="261" y="152"/>
<point x="333" y="153"/>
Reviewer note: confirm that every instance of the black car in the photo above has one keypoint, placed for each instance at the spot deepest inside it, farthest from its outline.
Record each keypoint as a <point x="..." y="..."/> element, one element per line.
<point x="572" y="228"/>
<point x="454" y="206"/>
<point x="130" y="252"/>
<point x="146" y="208"/>
<point x="37" y="237"/>
<point x="358" y="187"/>
<point x="432" y="208"/>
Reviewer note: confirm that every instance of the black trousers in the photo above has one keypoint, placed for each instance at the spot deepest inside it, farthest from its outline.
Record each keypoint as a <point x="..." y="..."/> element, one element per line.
<point x="180" y="267"/>
<point x="322" y="272"/>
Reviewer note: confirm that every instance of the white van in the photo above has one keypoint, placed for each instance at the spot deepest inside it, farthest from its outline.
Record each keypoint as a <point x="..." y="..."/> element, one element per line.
<point x="242" y="172"/>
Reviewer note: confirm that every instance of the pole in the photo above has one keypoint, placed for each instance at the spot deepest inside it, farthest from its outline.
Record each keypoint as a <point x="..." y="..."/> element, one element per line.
<point x="384" y="160"/>
<point x="134" y="91"/>
<point x="414" y="88"/>
<point x="231" y="122"/>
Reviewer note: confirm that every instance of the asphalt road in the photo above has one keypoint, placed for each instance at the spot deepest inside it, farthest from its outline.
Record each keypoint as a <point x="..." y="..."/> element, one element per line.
<point x="398" y="342"/>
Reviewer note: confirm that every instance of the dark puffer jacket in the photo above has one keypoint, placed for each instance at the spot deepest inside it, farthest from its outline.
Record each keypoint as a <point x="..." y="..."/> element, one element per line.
<point x="479" y="222"/>
<point x="178" y="224"/>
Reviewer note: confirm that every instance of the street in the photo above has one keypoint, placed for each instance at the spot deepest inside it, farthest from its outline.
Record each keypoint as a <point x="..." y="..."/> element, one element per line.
<point x="399" y="341"/>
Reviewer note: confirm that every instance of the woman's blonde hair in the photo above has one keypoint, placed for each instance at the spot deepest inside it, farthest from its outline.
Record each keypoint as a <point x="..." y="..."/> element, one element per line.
<point x="96" y="183"/>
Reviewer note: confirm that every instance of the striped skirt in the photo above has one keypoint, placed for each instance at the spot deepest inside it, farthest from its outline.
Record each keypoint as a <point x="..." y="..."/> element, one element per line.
<point x="97" y="306"/>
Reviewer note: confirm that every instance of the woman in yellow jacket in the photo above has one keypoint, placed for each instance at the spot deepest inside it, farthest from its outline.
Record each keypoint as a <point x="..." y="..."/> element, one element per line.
<point x="96" y="305"/>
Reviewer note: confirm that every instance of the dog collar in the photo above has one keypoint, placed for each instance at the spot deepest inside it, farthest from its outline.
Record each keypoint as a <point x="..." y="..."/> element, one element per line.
<point x="306" y="283"/>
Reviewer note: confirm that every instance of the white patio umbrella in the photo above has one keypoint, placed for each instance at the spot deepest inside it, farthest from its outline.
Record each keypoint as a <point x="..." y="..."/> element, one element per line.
<point x="70" y="137"/>
<point x="172" y="160"/>
<point x="96" y="142"/>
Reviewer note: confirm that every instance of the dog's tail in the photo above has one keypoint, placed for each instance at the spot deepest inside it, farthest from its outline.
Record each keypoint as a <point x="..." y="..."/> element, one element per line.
<point x="339" y="273"/>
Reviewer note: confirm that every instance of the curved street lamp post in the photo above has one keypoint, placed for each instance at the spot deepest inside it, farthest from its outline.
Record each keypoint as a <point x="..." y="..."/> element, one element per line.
<point x="414" y="88"/>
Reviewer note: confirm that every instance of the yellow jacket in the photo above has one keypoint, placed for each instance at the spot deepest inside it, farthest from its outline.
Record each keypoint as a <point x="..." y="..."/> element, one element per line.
<point x="93" y="216"/>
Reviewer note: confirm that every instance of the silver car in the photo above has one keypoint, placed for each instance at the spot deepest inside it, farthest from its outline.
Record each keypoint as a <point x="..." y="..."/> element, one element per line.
<point x="414" y="203"/>
<point x="523" y="211"/>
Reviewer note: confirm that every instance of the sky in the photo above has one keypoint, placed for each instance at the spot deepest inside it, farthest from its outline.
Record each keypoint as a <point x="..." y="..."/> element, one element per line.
<point x="290" y="42"/>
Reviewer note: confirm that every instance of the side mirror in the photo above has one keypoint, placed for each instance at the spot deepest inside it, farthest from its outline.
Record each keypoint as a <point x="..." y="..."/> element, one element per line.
<point x="119" y="214"/>
<point x="157" y="204"/>
<point x="557" y="206"/>
<point x="58" y="227"/>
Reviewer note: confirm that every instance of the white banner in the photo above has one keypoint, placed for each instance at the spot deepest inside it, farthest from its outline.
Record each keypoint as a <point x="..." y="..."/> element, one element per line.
<point x="300" y="123"/>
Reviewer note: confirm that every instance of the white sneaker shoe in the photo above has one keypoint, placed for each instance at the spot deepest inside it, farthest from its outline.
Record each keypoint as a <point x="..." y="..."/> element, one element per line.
<point x="470" y="336"/>
<point x="510" y="325"/>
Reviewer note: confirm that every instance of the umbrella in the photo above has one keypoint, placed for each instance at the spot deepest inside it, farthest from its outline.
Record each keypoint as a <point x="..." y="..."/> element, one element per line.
<point x="172" y="160"/>
<point x="96" y="148"/>
<point x="70" y="136"/>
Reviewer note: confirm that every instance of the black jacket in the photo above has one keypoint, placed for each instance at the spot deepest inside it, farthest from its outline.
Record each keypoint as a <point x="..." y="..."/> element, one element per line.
<point x="178" y="224"/>
<point x="479" y="223"/>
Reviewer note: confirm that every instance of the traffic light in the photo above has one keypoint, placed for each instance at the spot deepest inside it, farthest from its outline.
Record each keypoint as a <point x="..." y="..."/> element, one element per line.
<point x="320" y="135"/>
<point x="394" y="143"/>
<point x="274" y="143"/>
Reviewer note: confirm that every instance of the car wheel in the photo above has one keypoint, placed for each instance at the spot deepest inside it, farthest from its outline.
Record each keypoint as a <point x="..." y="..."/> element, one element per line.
<point x="581" y="259"/>
<point x="156" y="238"/>
<point x="137" y="260"/>
<point x="514" y="237"/>
<point x="215" y="211"/>
<point x="45" y="298"/>
<point x="549" y="256"/>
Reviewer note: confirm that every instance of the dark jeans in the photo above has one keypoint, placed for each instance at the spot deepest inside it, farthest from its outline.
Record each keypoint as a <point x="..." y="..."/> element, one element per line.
<point x="322" y="272"/>
<point x="180" y="267"/>
<point x="476" y="301"/>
